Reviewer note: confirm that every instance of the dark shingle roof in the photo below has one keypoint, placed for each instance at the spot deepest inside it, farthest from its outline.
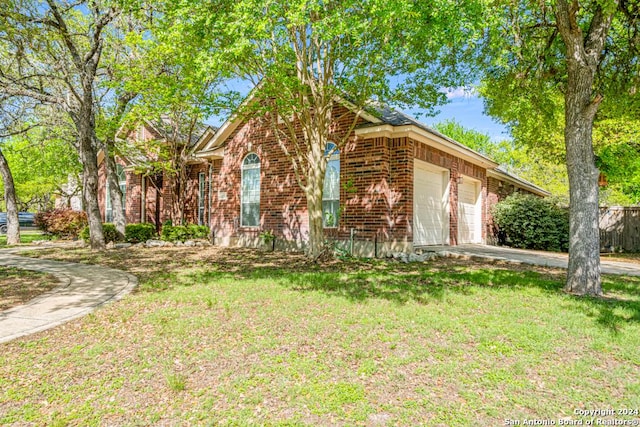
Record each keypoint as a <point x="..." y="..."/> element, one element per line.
<point x="397" y="118"/>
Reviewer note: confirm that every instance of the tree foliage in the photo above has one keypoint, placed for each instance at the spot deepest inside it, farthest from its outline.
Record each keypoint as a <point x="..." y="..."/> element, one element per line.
<point x="531" y="222"/>
<point x="303" y="57"/>
<point x="41" y="162"/>
<point x="573" y="54"/>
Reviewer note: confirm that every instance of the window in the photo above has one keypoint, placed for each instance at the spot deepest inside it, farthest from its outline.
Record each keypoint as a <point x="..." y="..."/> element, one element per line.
<point x="331" y="191"/>
<point x="122" y="182"/>
<point x="201" y="185"/>
<point x="250" y="191"/>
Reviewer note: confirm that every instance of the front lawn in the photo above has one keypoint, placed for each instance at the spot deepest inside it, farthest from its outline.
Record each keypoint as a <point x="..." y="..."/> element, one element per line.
<point x="19" y="286"/>
<point x="26" y="236"/>
<point x="238" y="337"/>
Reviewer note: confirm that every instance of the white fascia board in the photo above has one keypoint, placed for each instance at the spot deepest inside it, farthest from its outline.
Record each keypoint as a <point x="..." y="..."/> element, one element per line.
<point x="213" y="154"/>
<point x="353" y="108"/>
<point x="518" y="182"/>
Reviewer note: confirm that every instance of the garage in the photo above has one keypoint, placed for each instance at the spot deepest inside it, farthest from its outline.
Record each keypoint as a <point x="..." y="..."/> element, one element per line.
<point x="469" y="211"/>
<point x="430" y="204"/>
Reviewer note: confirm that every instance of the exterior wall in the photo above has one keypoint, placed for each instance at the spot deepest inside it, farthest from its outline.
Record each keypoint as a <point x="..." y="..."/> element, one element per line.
<point x="457" y="168"/>
<point x="376" y="194"/>
<point x="372" y="210"/>
<point x="155" y="191"/>
<point x="191" y="202"/>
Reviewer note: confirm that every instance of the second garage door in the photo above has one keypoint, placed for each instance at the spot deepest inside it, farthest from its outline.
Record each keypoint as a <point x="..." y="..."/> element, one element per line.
<point x="430" y="217"/>
<point x="469" y="218"/>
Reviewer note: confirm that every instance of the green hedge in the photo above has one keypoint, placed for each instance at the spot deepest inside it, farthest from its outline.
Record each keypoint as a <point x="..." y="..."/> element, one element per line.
<point x="180" y="233"/>
<point x="531" y="222"/>
<point x="136" y="233"/>
<point x="109" y="231"/>
<point x="133" y="233"/>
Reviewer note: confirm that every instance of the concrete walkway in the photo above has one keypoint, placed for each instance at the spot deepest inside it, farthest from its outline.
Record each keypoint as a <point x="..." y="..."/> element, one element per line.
<point x="522" y="256"/>
<point x="83" y="288"/>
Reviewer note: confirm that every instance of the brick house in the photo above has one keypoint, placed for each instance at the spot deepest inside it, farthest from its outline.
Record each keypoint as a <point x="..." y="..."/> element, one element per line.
<point x="395" y="185"/>
<point x="147" y="197"/>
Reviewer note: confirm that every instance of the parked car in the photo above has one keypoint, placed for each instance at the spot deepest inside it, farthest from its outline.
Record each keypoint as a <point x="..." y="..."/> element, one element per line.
<point x="26" y="219"/>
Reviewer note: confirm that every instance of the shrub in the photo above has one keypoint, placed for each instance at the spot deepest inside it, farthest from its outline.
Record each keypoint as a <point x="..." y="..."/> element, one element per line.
<point x="530" y="222"/>
<point x="180" y="233"/>
<point x="197" y="231"/>
<point x="108" y="230"/>
<point x="136" y="233"/>
<point x="63" y="223"/>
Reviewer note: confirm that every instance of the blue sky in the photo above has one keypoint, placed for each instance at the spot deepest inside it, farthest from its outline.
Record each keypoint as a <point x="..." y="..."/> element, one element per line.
<point x="467" y="109"/>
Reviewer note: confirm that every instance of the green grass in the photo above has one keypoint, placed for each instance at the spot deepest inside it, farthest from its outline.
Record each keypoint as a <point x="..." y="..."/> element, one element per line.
<point x="233" y="341"/>
<point x="26" y="236"/>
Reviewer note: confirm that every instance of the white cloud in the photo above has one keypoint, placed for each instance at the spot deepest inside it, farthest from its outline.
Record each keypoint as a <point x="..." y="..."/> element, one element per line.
<point x="460" y="92"/>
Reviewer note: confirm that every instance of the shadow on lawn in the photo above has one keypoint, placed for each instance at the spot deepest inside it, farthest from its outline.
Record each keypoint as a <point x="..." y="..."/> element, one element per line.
<point x="359" y="281"/>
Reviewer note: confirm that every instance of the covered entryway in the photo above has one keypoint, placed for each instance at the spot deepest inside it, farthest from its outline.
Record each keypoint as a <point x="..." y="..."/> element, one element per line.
<point x="430" y="204"/>
<point x="469" y="211"/>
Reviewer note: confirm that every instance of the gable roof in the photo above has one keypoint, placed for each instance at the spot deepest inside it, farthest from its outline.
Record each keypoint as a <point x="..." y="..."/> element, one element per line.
<point x="398" y="124"/>
<point x="381" y="120"/>
<point x="161" y="126"/>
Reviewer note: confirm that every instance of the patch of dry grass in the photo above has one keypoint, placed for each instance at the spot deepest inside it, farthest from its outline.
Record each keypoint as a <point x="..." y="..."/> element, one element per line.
<point x="19" y="286"/>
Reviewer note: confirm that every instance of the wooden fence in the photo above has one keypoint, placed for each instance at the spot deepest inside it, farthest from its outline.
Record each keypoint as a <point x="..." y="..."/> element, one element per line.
<point x="620" y="229"/>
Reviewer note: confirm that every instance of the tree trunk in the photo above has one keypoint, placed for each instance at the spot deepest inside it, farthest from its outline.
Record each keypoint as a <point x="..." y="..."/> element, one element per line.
<point x="316" y="230"/>
<point x="584" y="53"/>
<point x="13" y="224"/>
<point x="89" y="161"/>
<point x="314" y="190"/>
<point x="583" y="274"/>
<point x="115" y="194"/>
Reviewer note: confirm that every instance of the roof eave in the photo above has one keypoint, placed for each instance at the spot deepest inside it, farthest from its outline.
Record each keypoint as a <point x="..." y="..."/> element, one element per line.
<point x="212" y="154"/>
<point x="495" y="173"/>
<point x="414" y="132"/>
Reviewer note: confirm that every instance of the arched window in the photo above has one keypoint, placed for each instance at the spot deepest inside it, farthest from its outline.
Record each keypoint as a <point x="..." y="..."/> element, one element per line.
<point x="331" y="192"/>
<point x="250" y="191"/>
<point x="122" y="183"/>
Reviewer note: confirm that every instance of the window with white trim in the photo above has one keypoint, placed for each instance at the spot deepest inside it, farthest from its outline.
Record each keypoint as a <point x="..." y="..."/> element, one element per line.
<point x="331" y="191"/>
<point x="122" y="182"/>
<point x="250" y="191"/>
<point x="201" y="188"/>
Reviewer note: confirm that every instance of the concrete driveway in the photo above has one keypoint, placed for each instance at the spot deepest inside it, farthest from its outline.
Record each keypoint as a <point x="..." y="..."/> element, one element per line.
<point x="542" y="258"/>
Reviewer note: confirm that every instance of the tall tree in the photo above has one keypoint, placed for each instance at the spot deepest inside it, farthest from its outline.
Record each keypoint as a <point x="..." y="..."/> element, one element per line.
<point x="583" y="52"/>
<point x="173" y="94"/>
<point x="11" y="109"/>
<point x="305" y="56"/>
<point x="52" y="54"/>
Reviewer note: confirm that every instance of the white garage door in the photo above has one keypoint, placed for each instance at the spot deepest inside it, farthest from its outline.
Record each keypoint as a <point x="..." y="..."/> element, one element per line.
<point x="430" y="219"/>
<point x="469" y="212"/>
